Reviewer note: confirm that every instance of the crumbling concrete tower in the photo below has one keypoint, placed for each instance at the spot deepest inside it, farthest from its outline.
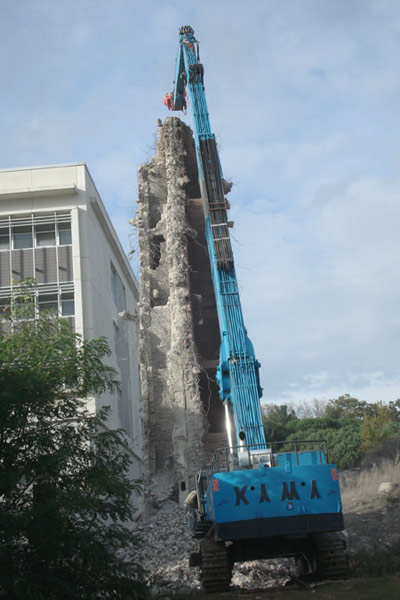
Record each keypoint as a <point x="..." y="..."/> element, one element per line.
<point x="179" y="334"/>
<point x="174" y="419"/>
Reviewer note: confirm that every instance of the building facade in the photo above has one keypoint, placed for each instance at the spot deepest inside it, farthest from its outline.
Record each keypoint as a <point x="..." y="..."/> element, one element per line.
<point x="54" y="228"/>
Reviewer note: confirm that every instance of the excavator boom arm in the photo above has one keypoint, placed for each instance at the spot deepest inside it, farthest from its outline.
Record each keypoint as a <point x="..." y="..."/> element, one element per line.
<point x="237" y="373"/>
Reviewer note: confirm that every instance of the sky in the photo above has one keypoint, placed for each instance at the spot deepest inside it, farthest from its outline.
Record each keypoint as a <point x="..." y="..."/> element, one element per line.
<point x="304" y="99"/>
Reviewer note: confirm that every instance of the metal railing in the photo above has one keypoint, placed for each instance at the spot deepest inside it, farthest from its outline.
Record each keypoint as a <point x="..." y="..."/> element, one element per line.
<point x="231" y="459"/>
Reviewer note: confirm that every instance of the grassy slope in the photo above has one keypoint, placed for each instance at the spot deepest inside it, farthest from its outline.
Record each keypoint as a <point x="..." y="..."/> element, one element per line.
<point x="360" y="491"/>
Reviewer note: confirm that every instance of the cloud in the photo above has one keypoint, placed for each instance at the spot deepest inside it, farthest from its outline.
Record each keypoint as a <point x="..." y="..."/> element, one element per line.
<point x="325" y="295"/>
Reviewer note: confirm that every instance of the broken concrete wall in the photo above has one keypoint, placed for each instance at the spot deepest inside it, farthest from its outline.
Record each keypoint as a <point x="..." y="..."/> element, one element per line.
<point x="174" y="419"/>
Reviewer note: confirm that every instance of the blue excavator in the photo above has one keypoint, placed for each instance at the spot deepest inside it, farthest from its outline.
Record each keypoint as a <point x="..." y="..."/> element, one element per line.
<point x="256" y="499"/>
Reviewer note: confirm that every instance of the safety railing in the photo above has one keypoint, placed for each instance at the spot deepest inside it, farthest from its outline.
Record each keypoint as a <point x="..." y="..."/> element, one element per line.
<point x="239" y="457"/>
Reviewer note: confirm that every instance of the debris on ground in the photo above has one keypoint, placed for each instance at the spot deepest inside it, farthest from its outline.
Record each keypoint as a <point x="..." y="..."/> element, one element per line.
<point x="166" y="547"/>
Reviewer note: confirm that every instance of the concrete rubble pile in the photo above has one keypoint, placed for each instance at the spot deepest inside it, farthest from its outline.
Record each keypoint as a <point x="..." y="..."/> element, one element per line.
<point x="167" y="544"/>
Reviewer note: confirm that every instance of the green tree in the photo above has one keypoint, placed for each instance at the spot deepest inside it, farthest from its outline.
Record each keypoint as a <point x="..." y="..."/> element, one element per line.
<point x="65" y="498"/>
<point x="383" y="423"/>
<point x="278" y="421"/>
<point x="348" y="425"/>
<point x="347" y="407"/>
<point x="342" y="436"/>
<point x="342" y="433"/>
<point x="394" y="408"/>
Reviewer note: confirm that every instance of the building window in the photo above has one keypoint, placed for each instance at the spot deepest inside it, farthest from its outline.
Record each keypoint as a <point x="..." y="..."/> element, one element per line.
<point x="4" y="239"/>
<point x="118" y="289"/>
<point x="51" y="302"/>
<point x="117" y="346"/>
<point x="48" y="303"/>
<point x="36" y="245"/>
<point x="45" y="235"/>
<point x="67" y="305"/>
<point x="23" y="311"/>
<point x="4" y="308"/>
<point x="22" y="238"/>
<point x="64" y="234"/>
<point x="114" y="282"/>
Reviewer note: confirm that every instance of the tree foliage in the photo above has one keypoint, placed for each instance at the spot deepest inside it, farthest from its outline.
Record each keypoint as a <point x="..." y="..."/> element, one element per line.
<point x="381" y="424"/>
<point x="342" y="436"/>
<point x="350" y="426"/>
<point x="348" y="407"/>
<point x="279" y="421"/>
<point x="65" y="498"/>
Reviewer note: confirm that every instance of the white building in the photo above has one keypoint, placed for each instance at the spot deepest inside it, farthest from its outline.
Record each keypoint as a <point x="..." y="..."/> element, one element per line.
<point x="54" y="228"/>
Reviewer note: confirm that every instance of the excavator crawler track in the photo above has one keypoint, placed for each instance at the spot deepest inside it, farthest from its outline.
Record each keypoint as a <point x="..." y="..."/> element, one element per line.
<point x="331" y="560"/>
<point x="201" y="529"/>
<point x="216" y="571"/>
